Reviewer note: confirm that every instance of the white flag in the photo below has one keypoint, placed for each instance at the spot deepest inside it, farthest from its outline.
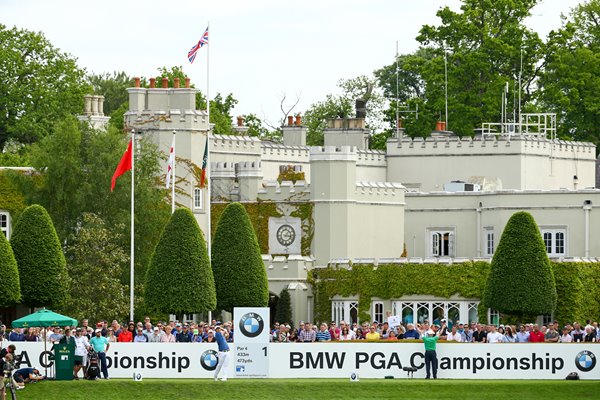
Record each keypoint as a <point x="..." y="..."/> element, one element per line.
<point x="171" y="163"/>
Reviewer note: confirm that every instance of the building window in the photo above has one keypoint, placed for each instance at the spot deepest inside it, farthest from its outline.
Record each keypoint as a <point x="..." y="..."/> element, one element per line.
<point x="419" y="312"/>
<point x="547" y="319"/>
<point x="4" y="224"/>
<point x="378" y="312"/>
<point x="346" y="311"/>
<point x="441" y="242"/>
<point x="198" y="197"/>
<point x="494" y="317"/>
<point x="489" y="244"/>
<point x="555" y="241"/>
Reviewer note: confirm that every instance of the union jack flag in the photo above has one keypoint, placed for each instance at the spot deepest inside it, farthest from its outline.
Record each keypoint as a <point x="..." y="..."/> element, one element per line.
<point x="203" y="40"/>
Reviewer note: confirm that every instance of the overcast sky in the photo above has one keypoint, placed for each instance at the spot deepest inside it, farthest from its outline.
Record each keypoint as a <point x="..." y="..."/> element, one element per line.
<point x="260" y="50"/>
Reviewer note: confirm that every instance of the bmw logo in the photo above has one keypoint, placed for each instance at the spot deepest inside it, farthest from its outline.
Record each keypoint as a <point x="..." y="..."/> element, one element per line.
<point x="585" y="361"/>
<point x="251" y="325"/>
<point x="209" y="360"/>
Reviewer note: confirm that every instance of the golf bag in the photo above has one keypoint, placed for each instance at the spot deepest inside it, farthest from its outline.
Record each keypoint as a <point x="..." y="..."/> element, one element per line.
<point x="93" y="369"/>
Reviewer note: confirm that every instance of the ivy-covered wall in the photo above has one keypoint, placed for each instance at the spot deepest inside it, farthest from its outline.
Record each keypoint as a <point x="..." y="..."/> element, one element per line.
<point x="260" y="212"/>
<point x="11" y="197"/>
<point x="577" y="284"/>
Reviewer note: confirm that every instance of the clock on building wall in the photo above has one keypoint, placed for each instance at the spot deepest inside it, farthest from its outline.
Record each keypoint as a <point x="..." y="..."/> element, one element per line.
<point x="286" y="235"/>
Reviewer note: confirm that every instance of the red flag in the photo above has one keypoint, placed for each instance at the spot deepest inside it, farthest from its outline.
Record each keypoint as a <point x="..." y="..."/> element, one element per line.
<point x="204" y="160"/>
<point x="124" y="166"/>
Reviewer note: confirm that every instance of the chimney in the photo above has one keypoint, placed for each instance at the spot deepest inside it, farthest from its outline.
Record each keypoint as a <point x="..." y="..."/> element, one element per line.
<point x="187" y="82"/>
<point x="440" y="126"/>
<point x="290" y="120"/>
<point x="298" y="120"/>
<point x="361" y="108"/>
<point x="176" y="83"/>
<point x="152" y="83"/>
<point x="240" y="121"/>
<point x="136" y="82"/>
<point x="165" y="83"/>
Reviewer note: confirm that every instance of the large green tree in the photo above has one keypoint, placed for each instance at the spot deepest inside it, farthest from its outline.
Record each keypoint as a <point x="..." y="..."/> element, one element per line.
<point x="42" y="265"/>
<point x="10" y="289"/>
<point x="343" y="106"/>
<point x="40" y="85"/>
<point x="95" y="263"/>
<point x="483" y="44"/>
<point x="74" y="168"/>
<point x="570" y="82"/>
<point x="180" y="279"/>
<point x="521" y="281"/>
<point x="240" y="276"/>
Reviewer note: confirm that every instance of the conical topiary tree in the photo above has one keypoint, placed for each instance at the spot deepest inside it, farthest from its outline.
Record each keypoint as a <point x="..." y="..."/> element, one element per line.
<point x="179" y="279"/>
<point x="283" y="312"/>
<point x="240" y="276"/>
<point x="521" y="281"/>
<point x="39" y="256"/>
<point x="10" y="289"/>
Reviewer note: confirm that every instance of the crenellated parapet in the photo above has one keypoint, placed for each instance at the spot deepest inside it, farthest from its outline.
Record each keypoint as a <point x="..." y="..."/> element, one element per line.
<point x="379" y="192"/>
<point x="292" y="267"/>
<point x="285" y="191"/>
<point x="333" y="153"/>
<point x="454" y="145"/>
<point x="233" y="144"/>
<point x="376" y="158"/>
<point x="279" y="152"/>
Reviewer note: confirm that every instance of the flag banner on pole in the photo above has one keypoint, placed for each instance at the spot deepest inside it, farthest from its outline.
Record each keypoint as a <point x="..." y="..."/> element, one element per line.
<point x="124" y="166"/>
<point x="171" y="163"/>
<point x="203" y="40"/>
<point x="204" y="161"/>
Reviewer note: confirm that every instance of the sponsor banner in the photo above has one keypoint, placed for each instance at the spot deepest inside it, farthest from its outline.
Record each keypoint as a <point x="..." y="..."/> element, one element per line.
<point x="341" y="360"/>
<point x="251" y="325"/>
<point x="150" y="360"/>
<point x="455" y="360"/>
<point x="251" y="360"/>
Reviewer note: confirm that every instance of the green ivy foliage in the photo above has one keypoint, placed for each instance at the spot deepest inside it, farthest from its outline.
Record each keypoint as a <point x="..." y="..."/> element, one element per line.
<point x="42" y="265"/>
<point x="240" y="275"/>
<point x="10" y="289"/>
<point x="577" y="286"/>
<point x="394" y="281"/>
<point x="521" y="280"/>
<point x="11" y="198"/>
<point x="179" y="279"/>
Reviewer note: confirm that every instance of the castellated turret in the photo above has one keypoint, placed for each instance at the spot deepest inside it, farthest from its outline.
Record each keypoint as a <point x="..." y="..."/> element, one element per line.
<point x="352" y="219"/>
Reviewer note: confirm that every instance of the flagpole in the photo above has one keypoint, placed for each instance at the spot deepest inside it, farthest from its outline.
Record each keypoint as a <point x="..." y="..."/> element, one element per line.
<point x="132" y="255"/>
<point x="208" y="191"/>
<point x="173" y="177"/>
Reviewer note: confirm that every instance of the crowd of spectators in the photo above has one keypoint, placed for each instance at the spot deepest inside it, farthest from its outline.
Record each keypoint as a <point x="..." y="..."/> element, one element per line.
<point x="459" y="332"/>
<point x="140" y="332"/>
<point x="176" y="332"/>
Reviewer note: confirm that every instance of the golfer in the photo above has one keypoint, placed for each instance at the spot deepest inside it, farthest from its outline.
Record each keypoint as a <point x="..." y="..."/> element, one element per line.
<point x="431" y="362"/>
<point x="223" y="354"/>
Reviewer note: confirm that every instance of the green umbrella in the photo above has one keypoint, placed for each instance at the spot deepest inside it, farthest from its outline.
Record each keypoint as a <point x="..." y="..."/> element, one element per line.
<point x="43" y="318"/>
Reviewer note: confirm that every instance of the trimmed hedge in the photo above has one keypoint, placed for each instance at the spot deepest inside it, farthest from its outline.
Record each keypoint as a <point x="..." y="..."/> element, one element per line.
<point x="179" y="279"/>
<point x="577" y="285"/>
<point x="284" y="308"/>
<point x="39" y="256"/>
<point x="10" y="289"/>
<point x="240" y="276"/>
<point x="521" y="280"/>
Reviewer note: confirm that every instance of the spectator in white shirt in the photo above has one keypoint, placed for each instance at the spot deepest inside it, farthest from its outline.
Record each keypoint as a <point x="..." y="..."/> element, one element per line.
<point x="493" y="336"/>
<point x="454" y="336"/>
<point x="566" y="336"/>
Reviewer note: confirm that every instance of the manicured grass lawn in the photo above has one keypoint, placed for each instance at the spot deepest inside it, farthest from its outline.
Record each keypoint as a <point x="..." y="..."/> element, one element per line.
<point x="310" y="389"/>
